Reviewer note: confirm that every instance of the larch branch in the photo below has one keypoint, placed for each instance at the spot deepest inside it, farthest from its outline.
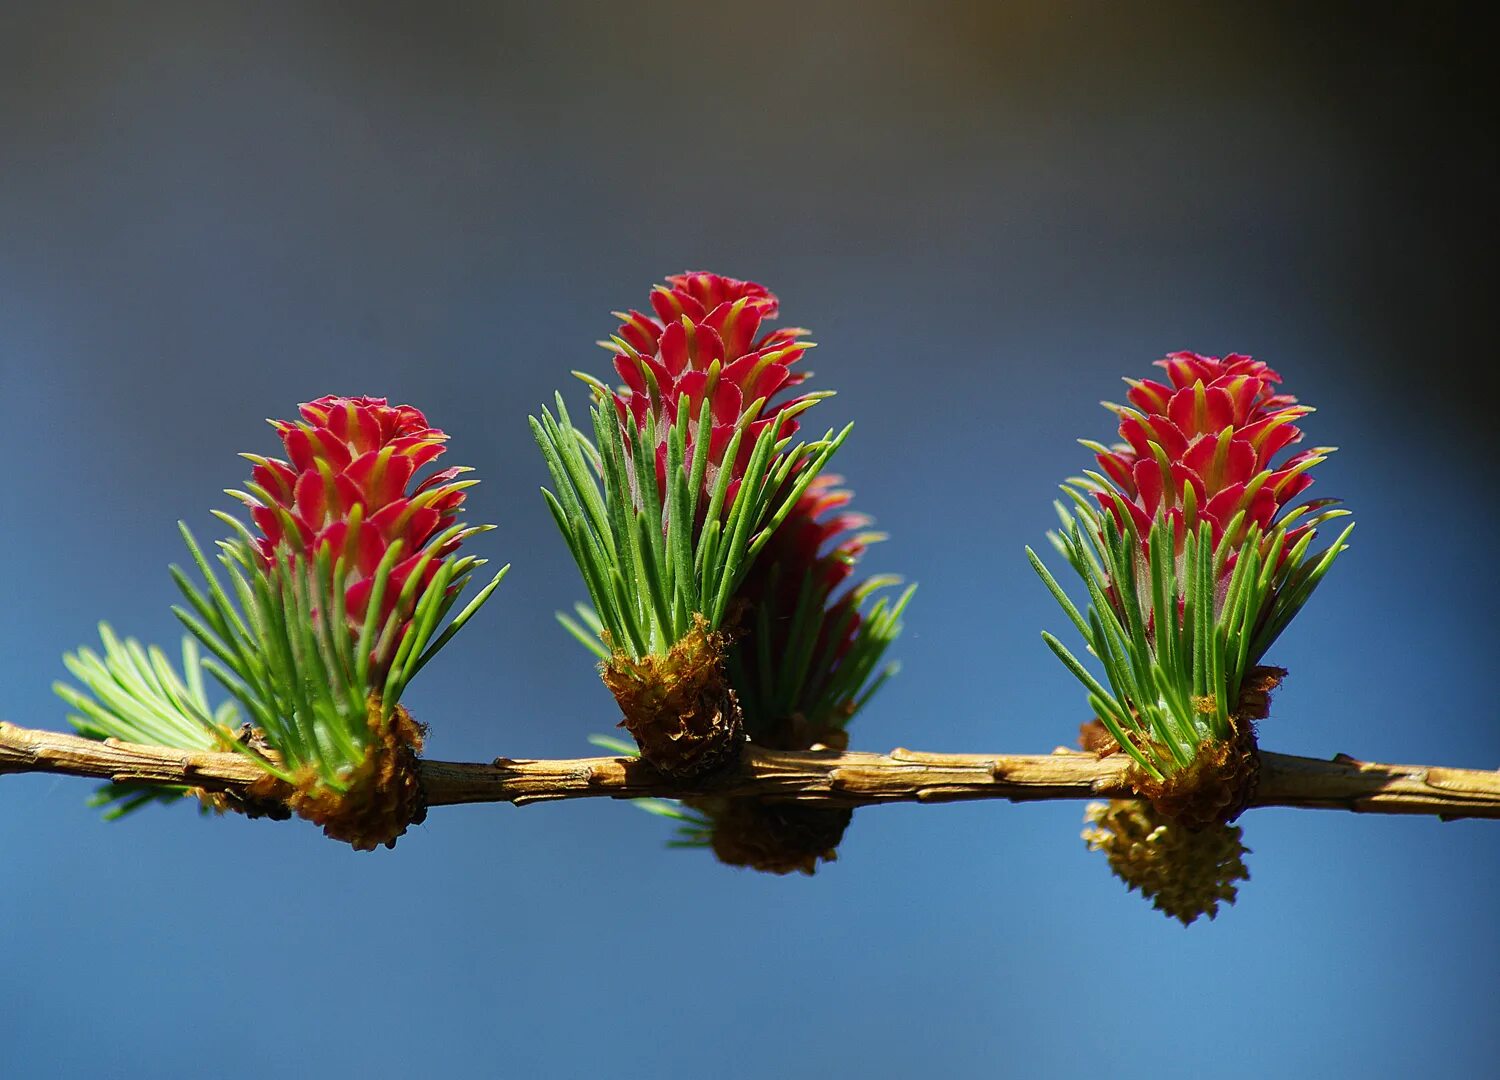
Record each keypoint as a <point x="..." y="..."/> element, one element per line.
<point x="830" y="777"/>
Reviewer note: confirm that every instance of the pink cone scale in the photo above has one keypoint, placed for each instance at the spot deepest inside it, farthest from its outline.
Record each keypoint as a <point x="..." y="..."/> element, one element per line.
<point x="1202" y="447"/>
<point x="705" y="342"/>
<point x="349" y="482"/>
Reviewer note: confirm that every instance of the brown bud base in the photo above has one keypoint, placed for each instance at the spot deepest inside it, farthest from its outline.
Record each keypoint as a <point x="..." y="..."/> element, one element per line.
<point x="679" y="707"/>
<point x="384" y="792"/>
<point x="1220" y="781"/>
<point x="1213" y="789"/>
<point x="1184" y="872"/>
<point x="777" y="838"/>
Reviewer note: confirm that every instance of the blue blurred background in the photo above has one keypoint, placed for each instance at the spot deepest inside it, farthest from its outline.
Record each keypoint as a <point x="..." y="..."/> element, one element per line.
<point x="987" y="214"/>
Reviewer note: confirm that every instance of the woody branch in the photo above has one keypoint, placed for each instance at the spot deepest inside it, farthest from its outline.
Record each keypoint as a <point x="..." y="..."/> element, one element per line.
<point x="835" y="778"/>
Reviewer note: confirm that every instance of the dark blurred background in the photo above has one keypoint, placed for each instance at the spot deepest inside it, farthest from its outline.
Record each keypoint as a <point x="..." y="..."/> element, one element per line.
<point x="987" y="214"/>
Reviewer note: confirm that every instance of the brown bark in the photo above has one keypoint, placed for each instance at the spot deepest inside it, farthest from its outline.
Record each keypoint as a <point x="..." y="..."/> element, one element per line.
<point x="827" y="777"/>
